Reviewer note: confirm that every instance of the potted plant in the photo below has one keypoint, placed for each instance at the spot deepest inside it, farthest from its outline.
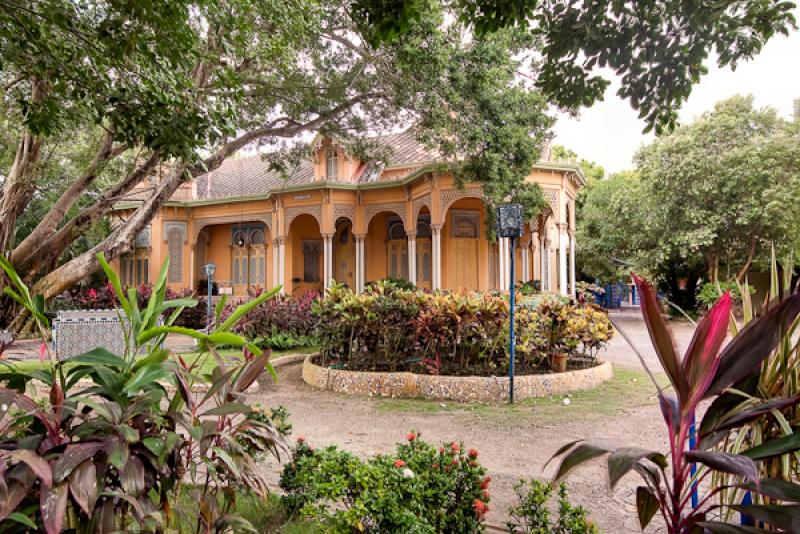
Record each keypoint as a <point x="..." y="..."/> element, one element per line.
<point x="555" y="316"/>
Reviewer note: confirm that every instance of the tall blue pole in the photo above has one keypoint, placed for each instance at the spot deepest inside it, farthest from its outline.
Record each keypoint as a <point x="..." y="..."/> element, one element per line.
<point x="693" y="446"/>
<point x="208" y="313"/>
<point x="511" y="343"/>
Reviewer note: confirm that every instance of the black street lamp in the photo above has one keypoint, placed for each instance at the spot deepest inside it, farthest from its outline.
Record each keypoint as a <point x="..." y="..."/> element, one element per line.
<point x="509" y="224"/>
<point x="210" y="270"/>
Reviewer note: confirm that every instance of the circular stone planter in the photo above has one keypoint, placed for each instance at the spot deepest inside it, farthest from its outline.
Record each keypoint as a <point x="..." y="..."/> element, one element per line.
<point x="457" y="388"/>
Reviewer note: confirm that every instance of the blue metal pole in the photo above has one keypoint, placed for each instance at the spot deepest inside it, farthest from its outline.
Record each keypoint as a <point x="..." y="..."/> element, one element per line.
<point x="693" y="446"/>
<point x="511" y="343"/>
<point x="208" y="314"/>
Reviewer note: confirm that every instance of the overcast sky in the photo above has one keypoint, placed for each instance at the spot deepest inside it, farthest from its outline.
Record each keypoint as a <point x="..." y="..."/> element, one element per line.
<point x="610" y="132"/>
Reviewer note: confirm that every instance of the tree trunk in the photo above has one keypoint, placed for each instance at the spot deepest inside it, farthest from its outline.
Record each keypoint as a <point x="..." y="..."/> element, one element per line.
<point x="55" y="244"/>
<point x="19" y="185"/>
<point x="48" y="225"/>
<point x="120" y="240"/>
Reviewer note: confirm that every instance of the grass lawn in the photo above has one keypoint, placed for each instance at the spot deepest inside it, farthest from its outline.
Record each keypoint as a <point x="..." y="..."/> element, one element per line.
<point x="628" y="389"/>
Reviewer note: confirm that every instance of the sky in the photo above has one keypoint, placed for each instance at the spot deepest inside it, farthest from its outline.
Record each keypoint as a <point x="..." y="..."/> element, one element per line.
<point x="610" y="132"/>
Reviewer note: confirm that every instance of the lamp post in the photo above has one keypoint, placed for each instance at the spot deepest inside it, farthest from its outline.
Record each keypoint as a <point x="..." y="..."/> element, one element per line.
<point x="509" y="224"/>
<point x="210" y="269"/>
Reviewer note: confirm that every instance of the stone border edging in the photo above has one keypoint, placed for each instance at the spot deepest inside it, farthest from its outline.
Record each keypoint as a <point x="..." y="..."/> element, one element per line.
<point x="455" y="388"/>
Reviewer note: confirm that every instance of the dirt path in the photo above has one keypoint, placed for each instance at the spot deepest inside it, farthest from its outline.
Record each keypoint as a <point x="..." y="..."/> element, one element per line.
<point x="513" y="442"/>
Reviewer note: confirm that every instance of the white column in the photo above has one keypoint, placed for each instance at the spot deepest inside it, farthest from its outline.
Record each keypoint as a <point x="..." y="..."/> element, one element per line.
<point x="526" y="268"/>
<point x="501" y="263"/>
<point x="562" y="261"/>
<point x="282" y="264"/>
<point x="572" y="265"/>
<point x="191" y="267"/>
<point x="544" y="257"/>
<point x="535" y="274"/>
<point x="327" y="260"/>
<point x="436" y="238"/>
<point x="359" y="264"/>
<point x="412" y="258"/>
<point x="275" y="279"/>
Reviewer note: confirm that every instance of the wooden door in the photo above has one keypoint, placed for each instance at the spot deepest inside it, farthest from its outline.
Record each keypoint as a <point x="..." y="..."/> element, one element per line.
<point x="240" y="259"/>
<point x="344" y="256"/>
<point x="464" y="263"/>
<point x="398" y="259"/>
<point x="424" y="263"/>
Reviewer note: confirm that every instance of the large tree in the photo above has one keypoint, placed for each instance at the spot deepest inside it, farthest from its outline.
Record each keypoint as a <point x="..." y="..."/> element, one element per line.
<point x="177" y="86"/>
<point x="707" y="201"/>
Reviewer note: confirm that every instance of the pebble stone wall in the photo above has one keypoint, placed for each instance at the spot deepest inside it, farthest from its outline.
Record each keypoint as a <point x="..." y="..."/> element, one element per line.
<point x="456" y="388"/>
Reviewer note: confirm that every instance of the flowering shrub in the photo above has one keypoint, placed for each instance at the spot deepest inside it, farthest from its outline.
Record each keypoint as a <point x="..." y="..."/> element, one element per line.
<point x="456" y="333"/>
<point x="418" y="489"/>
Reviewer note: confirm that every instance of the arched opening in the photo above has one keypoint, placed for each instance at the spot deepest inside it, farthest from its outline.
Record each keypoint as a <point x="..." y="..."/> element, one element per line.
<point x="248" y="257"/>
<point x="386" y="248"/>
<point x="239" y="251"/>
<point x="305" y="255"/>
<point x="344" y="253"/>
<point x="424" y="251"/>
<point x="464" y="244"/>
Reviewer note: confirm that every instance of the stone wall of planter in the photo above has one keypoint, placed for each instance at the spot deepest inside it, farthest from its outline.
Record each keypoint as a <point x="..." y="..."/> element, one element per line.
<point x="457" y="388"/>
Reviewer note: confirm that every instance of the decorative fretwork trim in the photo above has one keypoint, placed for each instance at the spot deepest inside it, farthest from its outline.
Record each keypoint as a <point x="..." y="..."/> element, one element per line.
<point x="180" y="226"/>
<point x="292" y="212"/>
<point x="371" y="210"/>
<point x="449" y="196"/>
<point x="418" y="203"/>
<point x="347" y="211"/>
<point x="199" y="224"/>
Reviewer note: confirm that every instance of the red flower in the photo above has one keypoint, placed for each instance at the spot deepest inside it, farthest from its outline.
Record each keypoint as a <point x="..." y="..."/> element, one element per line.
<point x="441" y="450"/>
<point x="411" y="436"/>
<point x="301" y="439"/>
<point x="399" y="463"/>
<point x="473" y="453"/>
<point x="480" y="508"/>
<point x="486" y="494"/>
<point x="454" y="447"/>
<point x="454" y="461"/>
<point x="92" y="294"/>
<point x="485" y="482"/>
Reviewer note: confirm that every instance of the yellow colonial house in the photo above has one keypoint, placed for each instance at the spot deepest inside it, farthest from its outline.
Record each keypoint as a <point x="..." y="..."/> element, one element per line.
<point x="338" y="218"/>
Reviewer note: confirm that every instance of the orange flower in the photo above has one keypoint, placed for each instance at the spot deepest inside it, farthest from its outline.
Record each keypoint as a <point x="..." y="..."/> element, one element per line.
<point x="399" y="463"/>
<point x="480" y="508"/>
<point x="411" y="436"/>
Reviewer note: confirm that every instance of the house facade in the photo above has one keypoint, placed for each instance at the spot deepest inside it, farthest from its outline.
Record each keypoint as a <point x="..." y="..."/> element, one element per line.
<point x="336" y="218"/>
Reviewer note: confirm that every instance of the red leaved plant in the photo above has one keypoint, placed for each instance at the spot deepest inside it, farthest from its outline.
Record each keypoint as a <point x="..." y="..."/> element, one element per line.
<point x="704" y="372"/>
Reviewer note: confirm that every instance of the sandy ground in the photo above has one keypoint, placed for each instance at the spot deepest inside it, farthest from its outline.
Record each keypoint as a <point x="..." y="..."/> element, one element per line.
<point x="513" y="443"/>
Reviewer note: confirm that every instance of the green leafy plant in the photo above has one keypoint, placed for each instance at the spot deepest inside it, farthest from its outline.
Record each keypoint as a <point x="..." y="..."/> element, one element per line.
<point x="116" y="436"/>
<point x="531" y="514"/>
<point x="417" y="489"/>
<point x="386" y="328"/>
<point x="711" y="292"/>
<point x="705" y="372"/>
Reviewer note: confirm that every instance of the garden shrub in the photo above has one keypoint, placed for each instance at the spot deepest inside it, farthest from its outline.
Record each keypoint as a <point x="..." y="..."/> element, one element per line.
<point x="531" y="514"/>
<point x="710" y="292"/>
<point x="387" y="328"/>
<point x="123" y="453"/>
<point x="284" y="315"/>
<point x="418" y="489"/>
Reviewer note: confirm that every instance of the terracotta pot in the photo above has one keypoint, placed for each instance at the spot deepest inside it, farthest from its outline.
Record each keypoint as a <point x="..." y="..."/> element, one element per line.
<point x="558" y="362"/>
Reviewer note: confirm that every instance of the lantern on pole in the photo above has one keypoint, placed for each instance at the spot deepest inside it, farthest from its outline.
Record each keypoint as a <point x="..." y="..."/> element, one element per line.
<point x="210" y="270"/>
<point x="509" y="224"/>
